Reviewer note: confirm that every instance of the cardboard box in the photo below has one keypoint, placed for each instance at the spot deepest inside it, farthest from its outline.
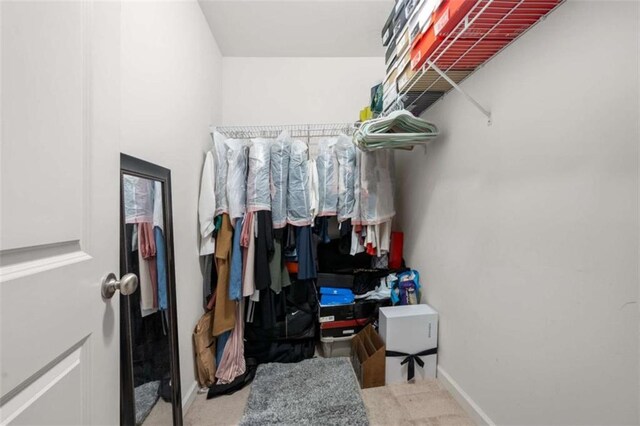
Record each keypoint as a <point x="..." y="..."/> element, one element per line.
<point x="367" y="358"/>
<point x="409" y="329"/>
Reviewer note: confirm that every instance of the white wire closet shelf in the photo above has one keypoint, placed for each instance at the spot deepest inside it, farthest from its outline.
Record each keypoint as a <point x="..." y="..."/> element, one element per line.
<point x="487" y="28"/>
<point x="294" y="130"/>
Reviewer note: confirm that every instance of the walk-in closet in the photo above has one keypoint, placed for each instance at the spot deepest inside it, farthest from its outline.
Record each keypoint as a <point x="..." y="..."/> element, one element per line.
<point x="344" y="212"/>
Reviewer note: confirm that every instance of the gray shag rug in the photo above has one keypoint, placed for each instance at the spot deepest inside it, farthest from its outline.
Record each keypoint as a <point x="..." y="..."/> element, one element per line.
<point x="318" y="391"/>
<point x="146" y="396"/>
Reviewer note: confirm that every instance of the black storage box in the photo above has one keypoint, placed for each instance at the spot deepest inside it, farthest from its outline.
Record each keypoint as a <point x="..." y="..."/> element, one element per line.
<point x="357" y="310"/>
<point x="335" y="280"/>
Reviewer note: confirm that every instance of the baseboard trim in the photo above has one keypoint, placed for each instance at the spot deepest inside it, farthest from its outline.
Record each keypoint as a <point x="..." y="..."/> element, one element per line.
<point x="189" y="397"/>
<point x="468" y="404"/>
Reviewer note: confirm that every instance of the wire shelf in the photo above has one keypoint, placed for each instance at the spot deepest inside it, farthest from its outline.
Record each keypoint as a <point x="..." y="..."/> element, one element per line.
<point x="294" y="130"/>
<point x="488" y="28"/>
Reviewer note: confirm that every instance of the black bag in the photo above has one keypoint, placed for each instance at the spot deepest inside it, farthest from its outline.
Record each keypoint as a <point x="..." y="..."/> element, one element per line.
<point x="237" y="383"/>
<point x="330" y="260"/>
<point x="286" y="351"/>
<point x="297" y="324"/>
<point x="164" y="390"/>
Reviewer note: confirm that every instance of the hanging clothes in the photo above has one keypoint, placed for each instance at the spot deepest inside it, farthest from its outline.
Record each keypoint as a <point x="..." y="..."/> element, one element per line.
<point x="237" y="151"/>
<point x="161" y="248"/>
<point x="346" y="155"/>
<point x="376" y="187"/>
<point x="327" y="171"/>
<point x="235" y="276"/>
<point x="247" y="241"/>
<point x="138" y="199"/>
<point x="221" y="169"/>
<point x="279" y="274"/>
<point x="224" y="316"/>
<point x="258" y="188"/>
<point x="264" y="250"/>
<point x="207" y="206"/>
<point x="280" y="152"/>
<point x="147" y="250"/>
<point x="232" y="363"/>
<point x="306" y="253"/>
<point x="298" y="195"/>
<point x="313" y="190"/>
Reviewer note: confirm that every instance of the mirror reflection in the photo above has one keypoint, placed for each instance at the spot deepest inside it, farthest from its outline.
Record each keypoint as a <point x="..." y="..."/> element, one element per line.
<point x="145" y="247"/>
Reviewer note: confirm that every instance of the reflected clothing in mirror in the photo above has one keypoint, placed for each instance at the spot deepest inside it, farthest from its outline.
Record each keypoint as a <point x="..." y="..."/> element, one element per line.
<point x="143" y="208"/>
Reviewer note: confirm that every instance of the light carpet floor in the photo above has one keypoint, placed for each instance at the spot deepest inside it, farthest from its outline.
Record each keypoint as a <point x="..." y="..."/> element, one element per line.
<point x="421" y="403"/>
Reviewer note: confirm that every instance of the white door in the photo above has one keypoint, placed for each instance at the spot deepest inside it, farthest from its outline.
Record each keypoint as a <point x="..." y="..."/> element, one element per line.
<point x="59" y="355"/>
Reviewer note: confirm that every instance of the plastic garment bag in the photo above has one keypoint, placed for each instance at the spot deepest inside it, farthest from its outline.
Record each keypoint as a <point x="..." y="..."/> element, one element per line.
<point x="346" y="155"/>
<point x="237" y="151"/>
<point x="280" y="152"/>
<point x="258" y="189"/>
<point x="376" y="187"/>
<point x="220" y="157"/>
<point x="356" y="219"/>
<point x="138" y="199"/>
<point x="327" y="167"/>
<point x="298" y="197"/>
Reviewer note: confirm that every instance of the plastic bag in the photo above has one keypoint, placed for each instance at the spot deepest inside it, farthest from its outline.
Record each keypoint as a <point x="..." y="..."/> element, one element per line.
<point x="406" y="289"/>
<point x="356" y="219"/>
<point x="280" y="152"/>
<point x="298" y="202"/>
<point x="258" y="189"/>
<point x="138" y="199"/>
<point x="327" y="167"/>
<point x="376" y="187"/>
<point x="220" y="157"/>
<point x="346" y="154"/>
<point x="237" y="151"/>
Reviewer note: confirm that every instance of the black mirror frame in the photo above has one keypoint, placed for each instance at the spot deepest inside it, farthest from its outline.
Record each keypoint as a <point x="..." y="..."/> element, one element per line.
<point x="136" y="167"/>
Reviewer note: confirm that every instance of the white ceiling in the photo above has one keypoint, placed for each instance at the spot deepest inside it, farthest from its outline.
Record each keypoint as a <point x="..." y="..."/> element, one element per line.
<point x="319" y="28"/>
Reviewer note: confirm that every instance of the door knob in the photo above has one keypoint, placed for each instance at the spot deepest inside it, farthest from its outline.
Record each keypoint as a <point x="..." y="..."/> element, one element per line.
<point x="127" y="285"/>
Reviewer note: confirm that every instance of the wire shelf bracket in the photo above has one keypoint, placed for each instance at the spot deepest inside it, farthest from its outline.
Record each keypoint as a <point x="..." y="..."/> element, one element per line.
<point x="455" y="85"/>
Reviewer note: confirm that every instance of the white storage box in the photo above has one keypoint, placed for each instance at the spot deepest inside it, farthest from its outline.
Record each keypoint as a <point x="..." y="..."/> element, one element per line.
<point x="335" y="346"/>
<point x="410" y="330"/>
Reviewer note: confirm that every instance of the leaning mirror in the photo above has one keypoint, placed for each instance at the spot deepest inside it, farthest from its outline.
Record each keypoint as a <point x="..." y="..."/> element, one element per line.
<point x="150" y="391"/>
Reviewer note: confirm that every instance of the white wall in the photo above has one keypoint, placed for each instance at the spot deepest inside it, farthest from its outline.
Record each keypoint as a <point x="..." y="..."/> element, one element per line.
<point x="261" y="91"/>
<point x="171" y="93"/>
<point x="526" y="232"/>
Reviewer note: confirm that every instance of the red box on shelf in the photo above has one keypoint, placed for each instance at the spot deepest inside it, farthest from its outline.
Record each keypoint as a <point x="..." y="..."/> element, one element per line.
<point x="444" y="19"/>
<point x="490" y="26"/>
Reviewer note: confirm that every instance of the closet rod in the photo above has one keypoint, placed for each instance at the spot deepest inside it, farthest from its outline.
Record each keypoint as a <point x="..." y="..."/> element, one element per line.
<point x="294" y="130"/>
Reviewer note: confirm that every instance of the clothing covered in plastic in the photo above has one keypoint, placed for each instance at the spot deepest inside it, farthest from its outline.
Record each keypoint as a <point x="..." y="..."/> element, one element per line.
<point x="221" y="168"/>
<point x="237" y="153"/>
<point x="376" y="187"/>
<point x="258" y="188"/>
<point x="207" y="205"/>
<point x="138" y="199"/>
<point x="346" y="155"/>
<point x="298" y="196"/>
<point x="327" y="169"/>
<point x="280" y="152"/>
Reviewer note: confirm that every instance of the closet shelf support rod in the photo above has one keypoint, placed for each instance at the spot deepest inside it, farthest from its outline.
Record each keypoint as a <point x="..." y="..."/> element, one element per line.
<point x="461" y="90"/>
